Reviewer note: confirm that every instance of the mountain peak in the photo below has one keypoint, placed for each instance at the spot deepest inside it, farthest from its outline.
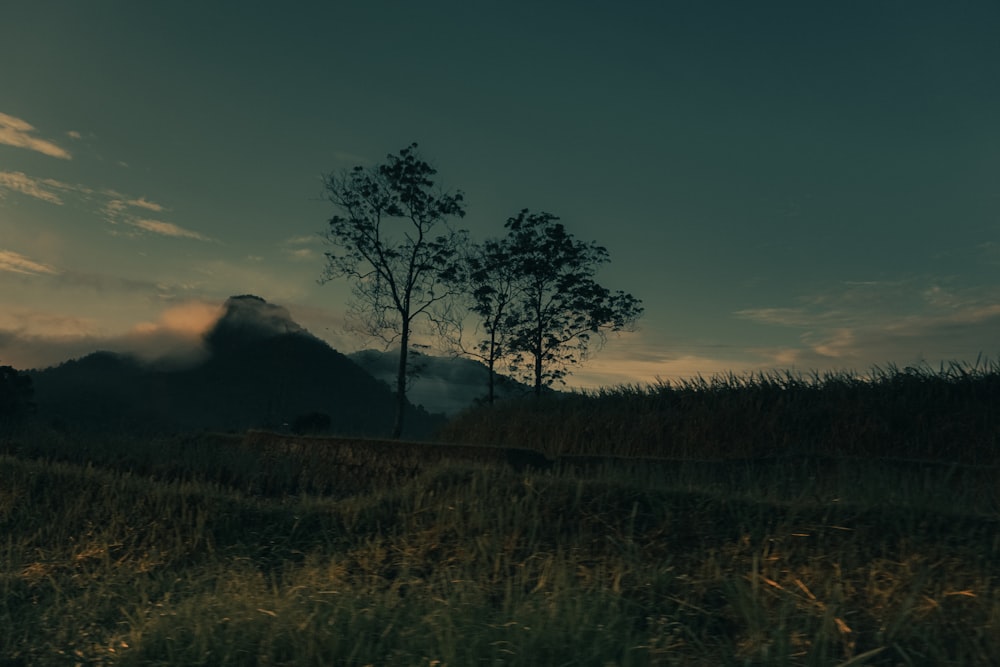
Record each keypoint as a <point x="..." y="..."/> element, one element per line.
<point x="249" y="318"/>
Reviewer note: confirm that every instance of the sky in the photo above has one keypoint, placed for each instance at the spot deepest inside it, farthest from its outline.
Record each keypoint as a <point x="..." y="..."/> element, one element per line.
<point x="785" y="185"/>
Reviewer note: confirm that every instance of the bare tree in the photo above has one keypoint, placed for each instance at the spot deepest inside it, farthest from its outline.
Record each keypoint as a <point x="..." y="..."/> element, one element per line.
<point x="393" y="239"/>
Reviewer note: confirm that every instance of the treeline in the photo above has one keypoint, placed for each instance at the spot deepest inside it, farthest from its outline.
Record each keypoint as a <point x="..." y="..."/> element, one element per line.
<point x="949" y="415"/>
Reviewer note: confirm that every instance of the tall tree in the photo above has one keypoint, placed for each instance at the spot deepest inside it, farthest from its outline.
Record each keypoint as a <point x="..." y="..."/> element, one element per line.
<point x="392" y="237"/>
<point x="494" y="287"/>
<point x="560" y="310"/>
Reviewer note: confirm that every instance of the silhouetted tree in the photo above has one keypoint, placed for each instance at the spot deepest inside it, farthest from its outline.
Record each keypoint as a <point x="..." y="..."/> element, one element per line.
<point x="558" y="309"/>
<point x="16" y="392"/>
<point x="392" y="238"/>
<point x="493" y="287"/>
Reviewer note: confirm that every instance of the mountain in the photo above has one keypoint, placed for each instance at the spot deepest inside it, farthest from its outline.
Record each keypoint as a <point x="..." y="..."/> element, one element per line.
<point x="262" y="370"/>
<point x="442" y="384"/>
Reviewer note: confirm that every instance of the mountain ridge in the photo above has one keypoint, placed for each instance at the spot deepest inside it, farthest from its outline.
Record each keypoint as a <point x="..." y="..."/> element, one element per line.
<point x="262" y="370"/>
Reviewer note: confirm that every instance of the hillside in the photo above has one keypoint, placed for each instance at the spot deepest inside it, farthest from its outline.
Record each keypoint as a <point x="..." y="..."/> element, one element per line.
<point x="261" y="370"/>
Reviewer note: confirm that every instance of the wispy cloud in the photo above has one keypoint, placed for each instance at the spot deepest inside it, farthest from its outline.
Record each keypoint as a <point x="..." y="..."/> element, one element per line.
<point x="114" y="206"/>
<point x="166" y="229"/>
<point x="119" y="209"/>
<point x="905" y="322"/>
<point x="13" y="262"/>
<point x="793" y="317"/>
<point x="300" y="248"/>
<point x="305" y="239"/>
<point x="142" y="202"/>
<point x="20" y="133"/>
<point x="46" y="189"/>
<point x="117" y="206"/>
<point x="644" y="358"/>
<point x="854" y="326"/>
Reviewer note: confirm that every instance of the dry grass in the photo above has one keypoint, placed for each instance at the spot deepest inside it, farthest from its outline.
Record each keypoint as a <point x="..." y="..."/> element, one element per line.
<point x="267" y="550"/>
<point x="951" y="414"/>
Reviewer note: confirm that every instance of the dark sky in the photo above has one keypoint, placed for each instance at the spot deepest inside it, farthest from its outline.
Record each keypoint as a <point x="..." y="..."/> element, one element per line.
<point x="785" y="184"/>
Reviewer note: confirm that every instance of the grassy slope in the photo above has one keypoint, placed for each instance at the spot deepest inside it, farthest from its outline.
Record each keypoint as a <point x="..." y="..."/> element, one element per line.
<point x="242" y="551"/>
<point x="463" y="564"/>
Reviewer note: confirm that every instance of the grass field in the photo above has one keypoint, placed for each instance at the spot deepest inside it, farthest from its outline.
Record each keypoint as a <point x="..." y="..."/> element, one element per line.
<point x="262" y="550"/>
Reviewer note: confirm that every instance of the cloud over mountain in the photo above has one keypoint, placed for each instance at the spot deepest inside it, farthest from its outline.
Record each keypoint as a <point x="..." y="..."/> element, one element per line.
<point x="249" y="317"/>
<point x="260" y="369"/>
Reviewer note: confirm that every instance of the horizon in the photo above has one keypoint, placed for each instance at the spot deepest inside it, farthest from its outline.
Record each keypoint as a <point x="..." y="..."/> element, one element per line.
<point x="786" y="188"/>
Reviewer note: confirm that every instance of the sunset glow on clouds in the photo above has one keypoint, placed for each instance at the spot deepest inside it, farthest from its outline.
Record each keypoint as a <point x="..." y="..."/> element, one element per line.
<point x="166" y="229"/>
<point x="13" y="262"/>
<point x="115" y="208"/>
<point x="46" y="189"/>
<point x="45" y="338"/>
<point x="19" y="133"/>
<point x="191" y="319"/>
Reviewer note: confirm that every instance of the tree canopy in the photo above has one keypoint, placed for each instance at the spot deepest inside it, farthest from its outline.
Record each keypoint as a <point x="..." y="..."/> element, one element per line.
<point x="539" y="303"/>
<point x="391" y="236"/>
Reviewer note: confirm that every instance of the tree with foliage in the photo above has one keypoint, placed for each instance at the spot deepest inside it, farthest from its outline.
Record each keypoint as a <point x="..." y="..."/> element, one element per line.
<point x="493" y="286"/>
<point x="557" y="310"/>
<point x="392" y="237"/>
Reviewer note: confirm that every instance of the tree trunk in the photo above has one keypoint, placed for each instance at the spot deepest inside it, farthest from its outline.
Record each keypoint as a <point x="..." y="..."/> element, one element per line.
<point x="404" y="340"/>
<point x="538" y="366"/>
<point x="493" y="357"/>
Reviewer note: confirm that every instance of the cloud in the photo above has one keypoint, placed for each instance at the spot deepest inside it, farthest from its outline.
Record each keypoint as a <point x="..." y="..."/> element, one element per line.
<point x="793" y="317"/>
<point x="117" y="210"/>
<point x="193" y="318"/>
<point x="16" y="132"/>
<point x="39" y="188"/>
<point x="305" y="239"/>
<point x="166" y="229"/>
<point x="13" y="262"/>
<point x="297" y="247"/>
<point x="852" y="327"/>
<point x="637" y="357"/>
<point x="73" y="134"/>
<point x="114" y="206"/>
<point x="142" y="202"/>
<point x="614" y="369"/>
<point x="907" y="322"/>
<point x="38" y="339"/>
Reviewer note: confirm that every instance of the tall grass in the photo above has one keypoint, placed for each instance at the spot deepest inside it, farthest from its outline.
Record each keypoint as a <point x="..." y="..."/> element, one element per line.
<point x="951" y="414"/>
<point x="473" y="564"/>
<point x="775" y="524"/>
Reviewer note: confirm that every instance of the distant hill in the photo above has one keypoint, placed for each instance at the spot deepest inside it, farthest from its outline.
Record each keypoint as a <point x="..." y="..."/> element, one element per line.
<point x="442" y="384"/>
<point x="263" y="371"/>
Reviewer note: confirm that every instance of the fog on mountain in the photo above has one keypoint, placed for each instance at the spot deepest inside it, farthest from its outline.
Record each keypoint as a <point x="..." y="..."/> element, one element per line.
<point x="263" y="371"/>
